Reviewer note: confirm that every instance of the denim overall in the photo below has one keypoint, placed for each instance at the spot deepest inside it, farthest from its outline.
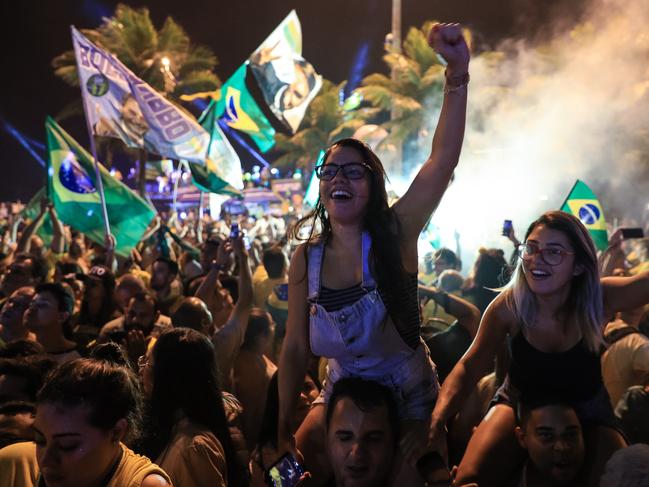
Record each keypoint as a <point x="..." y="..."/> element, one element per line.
<point x="360" y="340"/>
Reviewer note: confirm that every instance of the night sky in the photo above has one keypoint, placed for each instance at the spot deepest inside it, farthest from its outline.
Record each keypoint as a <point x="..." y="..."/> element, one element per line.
<point x="336" y="33"/>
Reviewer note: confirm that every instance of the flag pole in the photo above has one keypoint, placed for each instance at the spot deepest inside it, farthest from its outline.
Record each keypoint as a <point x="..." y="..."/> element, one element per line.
<point x="569" y="193"/>
<point x="93" y="148"/>
<point x="100" y="183"/>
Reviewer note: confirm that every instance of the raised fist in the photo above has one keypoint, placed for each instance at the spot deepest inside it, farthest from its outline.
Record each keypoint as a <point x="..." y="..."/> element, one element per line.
<point x="448" y="41"/>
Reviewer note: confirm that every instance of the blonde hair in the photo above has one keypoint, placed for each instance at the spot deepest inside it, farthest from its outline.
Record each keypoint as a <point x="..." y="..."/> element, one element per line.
<point x="584" y="302"/>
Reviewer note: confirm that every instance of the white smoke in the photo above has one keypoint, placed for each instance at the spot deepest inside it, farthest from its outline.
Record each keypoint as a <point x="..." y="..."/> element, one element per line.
<point x="543" y="115"/>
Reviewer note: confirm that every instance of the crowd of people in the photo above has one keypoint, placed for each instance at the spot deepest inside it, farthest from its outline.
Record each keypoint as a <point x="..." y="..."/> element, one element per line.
<point x="209" y="357"/>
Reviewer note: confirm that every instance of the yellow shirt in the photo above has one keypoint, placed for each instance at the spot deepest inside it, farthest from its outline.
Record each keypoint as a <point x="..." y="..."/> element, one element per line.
<point x="18" y="467"/>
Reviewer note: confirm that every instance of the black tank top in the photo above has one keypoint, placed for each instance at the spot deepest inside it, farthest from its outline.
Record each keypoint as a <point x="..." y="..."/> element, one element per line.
<point x="574" y="375"/>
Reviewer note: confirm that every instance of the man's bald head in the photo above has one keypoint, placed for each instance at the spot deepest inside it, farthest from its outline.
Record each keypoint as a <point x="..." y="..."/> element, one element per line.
<point x="193" y="313"/>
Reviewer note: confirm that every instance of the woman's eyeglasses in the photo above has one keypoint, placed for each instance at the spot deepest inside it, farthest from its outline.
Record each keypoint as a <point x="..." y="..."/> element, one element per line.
<point x="353" y="170"/>
<point x="550" y="255"/>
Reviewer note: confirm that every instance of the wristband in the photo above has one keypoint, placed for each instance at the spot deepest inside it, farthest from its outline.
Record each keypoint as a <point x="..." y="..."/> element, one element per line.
<point x="454" y="83"/>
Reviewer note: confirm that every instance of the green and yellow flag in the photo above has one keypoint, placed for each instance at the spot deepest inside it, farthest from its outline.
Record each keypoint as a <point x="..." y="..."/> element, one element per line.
<point x="222" y="170"/>
<point x="72" y="190"/>
<point x="32" y="210"/>
<point x="239" y="110"/>
<point x="582" y="203"/>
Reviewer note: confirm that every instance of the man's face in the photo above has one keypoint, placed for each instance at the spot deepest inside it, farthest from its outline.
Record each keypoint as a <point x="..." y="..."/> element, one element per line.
<point x="140" y="315"/>
<point x="15" y="306"/>
<point x="360" y="445"/>
<point x="440" y="265"/>
<point x="43" y="312"/>
<point x="18" y="274"/>
<point x="553" y="439"/>
<point x="160" y="276"/>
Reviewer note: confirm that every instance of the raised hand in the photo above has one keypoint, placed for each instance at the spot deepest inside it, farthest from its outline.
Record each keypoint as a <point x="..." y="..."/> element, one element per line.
<point x="448" y="41"/>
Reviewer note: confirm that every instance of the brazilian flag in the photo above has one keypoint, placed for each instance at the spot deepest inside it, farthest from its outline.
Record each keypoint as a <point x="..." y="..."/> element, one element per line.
<point x="582" y="203"/>
<point x="222" y="170"/>
<point x="73" y="191"/>
<point x="239" y="110"/>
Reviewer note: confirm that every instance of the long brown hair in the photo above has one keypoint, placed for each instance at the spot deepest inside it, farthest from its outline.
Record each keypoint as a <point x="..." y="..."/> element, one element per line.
<point x="585" y="300"/>
<point x="379" y="220"/>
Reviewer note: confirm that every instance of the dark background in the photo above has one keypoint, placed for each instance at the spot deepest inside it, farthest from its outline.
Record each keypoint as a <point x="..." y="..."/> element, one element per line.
<point x="343" y="39"/>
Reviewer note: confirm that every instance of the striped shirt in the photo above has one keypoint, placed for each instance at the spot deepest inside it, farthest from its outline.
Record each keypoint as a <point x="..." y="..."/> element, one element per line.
<point x="408" y="327"/>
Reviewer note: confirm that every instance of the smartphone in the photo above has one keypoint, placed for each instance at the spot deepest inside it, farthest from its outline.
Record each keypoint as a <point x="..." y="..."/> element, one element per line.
<point x="234" y="231"/>
<point x="507" y="227"/>
<point x="632" y="233"/>
<point x="285" y="472"/>
<point x="246" y="242"/>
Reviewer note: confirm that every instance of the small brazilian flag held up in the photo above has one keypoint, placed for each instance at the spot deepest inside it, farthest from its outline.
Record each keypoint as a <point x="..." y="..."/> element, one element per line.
<point x="583" y="203"/>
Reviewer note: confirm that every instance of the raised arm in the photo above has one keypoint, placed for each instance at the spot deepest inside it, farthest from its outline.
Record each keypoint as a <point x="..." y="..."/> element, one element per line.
<point x="476" y="363"/>
<point x="25" y="240"/>
<point x="58" y="232"/>
<point x="625" y="293"/>
<point x="294" y="358"/>
<point x="425" y="192"/>
<point x="467" y="315"/>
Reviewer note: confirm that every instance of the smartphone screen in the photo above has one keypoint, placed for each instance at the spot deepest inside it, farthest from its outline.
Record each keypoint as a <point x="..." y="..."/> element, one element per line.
<point x="507" y="227"/>
<point x="632" y="233"/>
<point x="286" y="472"/>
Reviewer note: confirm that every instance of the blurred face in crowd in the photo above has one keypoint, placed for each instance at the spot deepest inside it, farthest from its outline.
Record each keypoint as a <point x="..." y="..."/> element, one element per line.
<point x="15" y="306"/>
<point x="208" y="254"/>
<point x="70" y="451"/>
<point x="440" y="264"/>
<point x="37" y="246"/>
<point x="554" y="441"/>
<point x="360" y="445"/>
<point x="161" y="276"/>
<point x="19" y="274"/>
<point x="543" y="278"/>
<point x="77" y="247"/>
<point x="95" y="290"/>
<point x="43" y="312"/>
<point x="345" y="199"/>
<point x="308" y="394"/>
<point x="140" y="314"/>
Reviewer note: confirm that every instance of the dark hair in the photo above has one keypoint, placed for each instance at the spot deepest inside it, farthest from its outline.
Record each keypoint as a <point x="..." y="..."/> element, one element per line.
<point x="21" y="348"/>
<point x="110" y="352"/>
<point x="32" y="369"/>
<point x="448" y="255"/>
<point x="381" y="223"/>
<point x="110" y="391"/>
<point x="490" y="269"/>
<point x="39" y="266"/>
<point x="259" y="324"/>
<point x="533" y="401"/>
<point x="64" y="299"/>
<point x="367" y="395"/>
<point x="274" y="262"/>
<point x="171" y="264"/>
<point x="231" y="283"/>
<point x="66" y="268"/>
<point x="185" y="378"/>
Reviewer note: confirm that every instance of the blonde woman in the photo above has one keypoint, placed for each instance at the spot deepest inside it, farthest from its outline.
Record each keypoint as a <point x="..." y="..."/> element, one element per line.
<point x="552" y="315"/>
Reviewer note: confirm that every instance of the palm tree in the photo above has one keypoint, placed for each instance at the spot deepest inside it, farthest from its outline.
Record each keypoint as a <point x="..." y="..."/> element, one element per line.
<point x="163" y="58"/>
<point x="325" y="121"/>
